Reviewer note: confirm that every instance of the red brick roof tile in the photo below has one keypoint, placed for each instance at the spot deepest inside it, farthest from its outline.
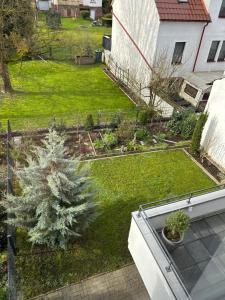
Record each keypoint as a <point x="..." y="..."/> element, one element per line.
<point x="172" y="10"/>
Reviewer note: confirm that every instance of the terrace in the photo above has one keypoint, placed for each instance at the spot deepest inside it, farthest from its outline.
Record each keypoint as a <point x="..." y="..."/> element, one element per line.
<point x="196" y="268"/>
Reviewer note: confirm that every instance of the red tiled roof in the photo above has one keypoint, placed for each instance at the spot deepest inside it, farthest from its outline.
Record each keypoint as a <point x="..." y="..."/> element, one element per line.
<point x="172" y="10"/>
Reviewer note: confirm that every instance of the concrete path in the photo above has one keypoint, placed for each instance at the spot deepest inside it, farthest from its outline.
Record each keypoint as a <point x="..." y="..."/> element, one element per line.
<point x="123" y="284"/>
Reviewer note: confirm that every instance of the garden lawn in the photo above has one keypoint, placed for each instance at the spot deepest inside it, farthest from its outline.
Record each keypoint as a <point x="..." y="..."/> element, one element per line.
<point x="122" y="184"/>
<point x="78" y="29"/>
<point x="62" y="90"/>
<point x="74" y="37"/>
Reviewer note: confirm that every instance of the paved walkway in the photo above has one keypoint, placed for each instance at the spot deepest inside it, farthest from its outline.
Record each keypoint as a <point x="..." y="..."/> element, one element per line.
<point x="123" y="284"/>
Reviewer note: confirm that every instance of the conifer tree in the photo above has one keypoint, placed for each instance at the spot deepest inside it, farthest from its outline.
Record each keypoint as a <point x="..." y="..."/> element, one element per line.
<point x="56" y="201"/>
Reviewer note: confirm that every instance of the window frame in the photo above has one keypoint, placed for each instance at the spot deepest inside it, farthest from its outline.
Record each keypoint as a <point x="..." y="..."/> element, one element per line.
<point x="222" y="49"/>
<point x="222" y="10"/>
<point x="190" y="90"/>
<point x="178" y="60"/>
<point x="216" y="51"/>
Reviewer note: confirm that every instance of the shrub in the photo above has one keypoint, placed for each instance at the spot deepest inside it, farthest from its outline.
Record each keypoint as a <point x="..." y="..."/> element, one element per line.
<point x="188" y="126"/>
<point x="183" y="123"/>
<point x="196" y="138"/>
<point x="125" y="131"/>
<point x="107" y="20"/>
<point x="116" y="119"/>
<point x="110" y="139"/>
<point x="132" y="145"/>
<point x="141" y="134"/>
<point x="85" y="14"/>
<point x="99" y="144"/>
<point x="145" y="116"/>
<point x="177" y="222"/>
<point x="89" y="123"/>
<point x="160" y="137"/>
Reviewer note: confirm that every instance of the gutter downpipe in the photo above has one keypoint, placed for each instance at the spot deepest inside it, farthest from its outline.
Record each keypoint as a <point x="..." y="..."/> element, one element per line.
<point x="199" y="46"/>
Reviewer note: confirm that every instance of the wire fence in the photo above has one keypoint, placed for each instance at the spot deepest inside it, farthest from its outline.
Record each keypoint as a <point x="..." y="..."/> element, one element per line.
<point x="139" y="90"/>
<point x="11" y="231"/>
<point x="101" y="118"/>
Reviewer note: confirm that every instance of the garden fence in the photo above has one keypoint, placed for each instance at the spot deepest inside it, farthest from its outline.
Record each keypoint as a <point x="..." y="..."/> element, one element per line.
<point x="11" y="231"/>
<point x="102" y="118"/>
<point x="140" y="91"/>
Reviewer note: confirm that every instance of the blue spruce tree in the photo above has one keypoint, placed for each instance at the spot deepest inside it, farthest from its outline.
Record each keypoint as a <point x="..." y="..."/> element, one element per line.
<point x="56" y="203"/>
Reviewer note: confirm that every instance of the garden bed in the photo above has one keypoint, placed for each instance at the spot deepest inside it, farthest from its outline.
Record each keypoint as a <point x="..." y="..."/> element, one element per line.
<point x="209" y="166"/>
<point x="103" y="142"/>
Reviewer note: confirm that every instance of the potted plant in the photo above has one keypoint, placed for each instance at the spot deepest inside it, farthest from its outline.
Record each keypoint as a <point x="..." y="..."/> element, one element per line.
<point x="176" y="225"/>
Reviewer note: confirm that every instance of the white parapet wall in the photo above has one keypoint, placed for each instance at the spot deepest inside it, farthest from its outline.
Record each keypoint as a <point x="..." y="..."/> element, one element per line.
<point x="213" y="137"/>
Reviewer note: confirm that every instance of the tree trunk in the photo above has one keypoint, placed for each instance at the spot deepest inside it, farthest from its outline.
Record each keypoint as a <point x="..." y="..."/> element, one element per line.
<point x="7" y="86"/>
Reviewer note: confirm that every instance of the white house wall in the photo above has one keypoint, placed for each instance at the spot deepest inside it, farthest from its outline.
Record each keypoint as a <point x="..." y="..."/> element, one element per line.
<point x="213" y="137"/>
<point x="172" y="32"/>
<point x="142" y="23"/>
<point x="215" y="31"/>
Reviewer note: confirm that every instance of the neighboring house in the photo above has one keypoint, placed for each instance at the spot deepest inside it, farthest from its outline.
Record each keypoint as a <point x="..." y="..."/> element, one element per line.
<point x="189" y="33"/>
<point x="95" y="7"/>
<point x="213" y="137"/>
<point x="72" y="8"/>
<point x="43" y="5"/>
<point x="67" y="8"/>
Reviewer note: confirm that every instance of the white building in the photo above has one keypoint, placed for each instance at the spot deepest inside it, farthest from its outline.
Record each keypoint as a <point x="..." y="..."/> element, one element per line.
<point x="190" y="33"/>
<point x="72" y="8"/>
<point x="43" y="5"/>
<point x="213" y="137"/>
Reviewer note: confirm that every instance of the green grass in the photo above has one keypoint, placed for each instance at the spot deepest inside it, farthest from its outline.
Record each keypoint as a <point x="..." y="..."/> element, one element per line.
<point x="62" y="90"/>
<point x="73" y="37"/>
<point x="122" y="184"/>
<point x="79" y="28"/>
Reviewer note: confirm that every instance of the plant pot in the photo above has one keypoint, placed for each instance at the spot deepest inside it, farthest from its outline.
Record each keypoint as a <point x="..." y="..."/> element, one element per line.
<point x="173" y="243"/>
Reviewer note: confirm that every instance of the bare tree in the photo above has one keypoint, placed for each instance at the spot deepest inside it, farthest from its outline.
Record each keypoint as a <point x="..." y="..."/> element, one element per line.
<point x="164" y="84"/>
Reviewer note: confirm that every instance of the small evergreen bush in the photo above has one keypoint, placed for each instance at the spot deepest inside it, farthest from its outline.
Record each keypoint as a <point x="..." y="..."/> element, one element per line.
<point x="116" y="120"/>
<point x="89" y="123"/>
<point x="85" y="14"/>
<point x="196" y="138"/>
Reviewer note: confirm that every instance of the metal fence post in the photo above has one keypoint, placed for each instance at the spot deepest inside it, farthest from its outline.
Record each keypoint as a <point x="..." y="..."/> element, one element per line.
<point x="11" y="232"/>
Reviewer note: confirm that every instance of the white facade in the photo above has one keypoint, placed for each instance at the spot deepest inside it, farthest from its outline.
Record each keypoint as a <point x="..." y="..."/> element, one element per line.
<point x="213" y="137"/>
<point x="92" y="3"/>
<point x="141" y="21"/>
<point x="44" y="5"/>
<point x="215" y="31"/>
<point x="139" y="38"/>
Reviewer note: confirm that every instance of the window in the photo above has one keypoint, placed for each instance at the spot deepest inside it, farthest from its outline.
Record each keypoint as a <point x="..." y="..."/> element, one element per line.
<point x="190" y="90"/>
<point x="213" y="51"/>
<point x="222" y="53"/>
<point x="178" y="53"/>
<point x="222" y="10"/>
